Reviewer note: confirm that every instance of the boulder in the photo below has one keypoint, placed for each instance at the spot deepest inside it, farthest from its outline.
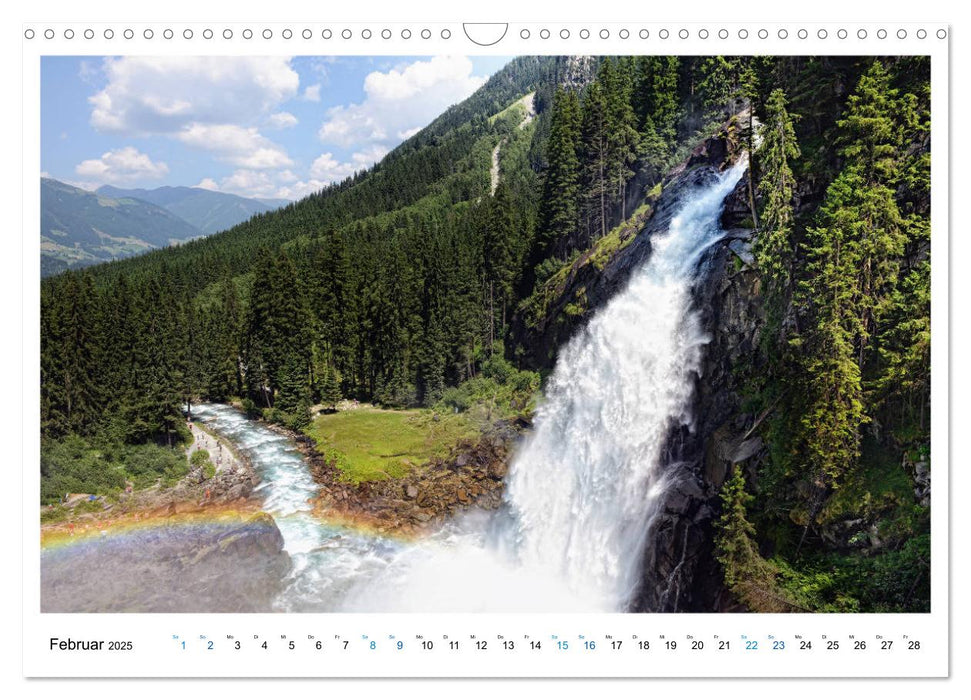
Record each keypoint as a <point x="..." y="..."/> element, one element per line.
<point x="234" y="565"/>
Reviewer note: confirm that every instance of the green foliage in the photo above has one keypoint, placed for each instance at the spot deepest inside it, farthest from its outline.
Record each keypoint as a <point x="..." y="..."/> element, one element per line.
<point x="72" y="465"/>
<point x="853" y="259"/>
<point x="148" y="464"/>
<point x="76" y="465"/>
<point x="560" y="215"/>
<point x="893" y="581"/>
<point x="500" y="391"/>
<point x="200" y="459"/>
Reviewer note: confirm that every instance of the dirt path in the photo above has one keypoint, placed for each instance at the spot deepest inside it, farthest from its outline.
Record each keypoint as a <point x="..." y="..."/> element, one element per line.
<point x="528" y="103"/>
<point x="221" y="454"/>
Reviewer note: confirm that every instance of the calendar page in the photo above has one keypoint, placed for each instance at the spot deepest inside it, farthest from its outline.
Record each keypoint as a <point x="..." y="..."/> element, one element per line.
<point x="519" y="349"/>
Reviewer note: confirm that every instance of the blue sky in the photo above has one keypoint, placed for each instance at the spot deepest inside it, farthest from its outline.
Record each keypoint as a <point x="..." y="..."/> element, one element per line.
<point x="257" y="126"/>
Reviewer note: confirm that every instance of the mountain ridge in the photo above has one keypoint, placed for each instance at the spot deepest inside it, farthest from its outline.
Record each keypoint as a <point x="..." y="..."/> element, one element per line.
<point x="207" y="210"/>
<point x="80" y="228"/>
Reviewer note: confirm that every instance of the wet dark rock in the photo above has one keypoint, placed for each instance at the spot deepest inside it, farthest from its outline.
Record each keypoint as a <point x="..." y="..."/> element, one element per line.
<point x="680" y="570"/>
<point x="737" y="212"/>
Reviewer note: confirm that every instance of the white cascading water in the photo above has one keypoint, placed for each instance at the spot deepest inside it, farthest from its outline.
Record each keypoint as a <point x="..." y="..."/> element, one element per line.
<point x="585" y="487"/>
<point x="580" y="494"/>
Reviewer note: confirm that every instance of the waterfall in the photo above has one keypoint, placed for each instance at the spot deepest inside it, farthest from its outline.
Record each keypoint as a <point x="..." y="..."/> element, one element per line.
<point x="586" y="485"/>
<point x="583" y="490"/>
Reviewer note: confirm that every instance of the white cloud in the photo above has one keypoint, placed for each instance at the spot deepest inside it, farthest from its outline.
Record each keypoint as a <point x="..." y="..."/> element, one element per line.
<point x="207" y="102"/>
<point x="400" y="102"/>
<point x="312" y="93"/>
<point x="163" y="94"/>
<point x="328" y="169"/>
<point x="244" y="147"/>
<point x="249" y="183"/>
<point x="282" y="120"/>
<point x="255" y="183"/>
<point x="121" y="166"/>
<point x="301" y="189"/>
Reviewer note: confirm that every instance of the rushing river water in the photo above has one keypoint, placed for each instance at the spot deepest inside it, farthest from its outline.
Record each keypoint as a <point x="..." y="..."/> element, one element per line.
<point x="581" y="492"/>
<point x="328" y="561"/>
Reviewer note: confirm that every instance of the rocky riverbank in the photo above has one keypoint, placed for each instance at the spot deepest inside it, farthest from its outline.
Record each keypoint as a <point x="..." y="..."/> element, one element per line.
<point x="471" y="476"/>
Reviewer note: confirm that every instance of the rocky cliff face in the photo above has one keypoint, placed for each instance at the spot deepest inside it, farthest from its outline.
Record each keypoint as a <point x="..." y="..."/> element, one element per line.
<point x="680" y="571"/>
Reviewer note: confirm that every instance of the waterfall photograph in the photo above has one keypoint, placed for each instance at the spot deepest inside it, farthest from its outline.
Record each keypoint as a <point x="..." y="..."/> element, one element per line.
<point x="485" y="334"/>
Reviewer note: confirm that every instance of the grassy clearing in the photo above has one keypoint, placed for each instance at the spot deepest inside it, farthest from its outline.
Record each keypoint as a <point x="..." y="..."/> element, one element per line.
<point x="370" y="444"/>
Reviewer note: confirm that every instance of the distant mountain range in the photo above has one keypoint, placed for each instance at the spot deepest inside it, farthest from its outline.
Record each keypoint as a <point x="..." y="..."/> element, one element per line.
<point x="80" y="228"/>
<point x="208" y="211"/>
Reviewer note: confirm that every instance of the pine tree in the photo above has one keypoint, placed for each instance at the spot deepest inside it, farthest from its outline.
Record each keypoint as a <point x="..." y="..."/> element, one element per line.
<point x="559" y="215"/>
<point x="81" y="354"/>
<point x="872" y="149"/>
<point x="655" y="99"/>
<point x="774" y="248"/>
<point x="719" y="84"/>
<point x="595" y="171"/>
<point x="330" y="389"/>
<point x="622" y="135"/>
<point x="499" y="255"/>
<point x="852" y="265"/>
<point x="747" y="574"/>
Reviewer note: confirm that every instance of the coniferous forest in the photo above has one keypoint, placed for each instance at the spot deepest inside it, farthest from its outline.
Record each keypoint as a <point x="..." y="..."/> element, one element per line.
<point x="420" y="283"/>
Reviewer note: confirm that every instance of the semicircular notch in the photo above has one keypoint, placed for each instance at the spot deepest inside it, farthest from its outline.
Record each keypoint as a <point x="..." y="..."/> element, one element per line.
<point x="485" y="33"/>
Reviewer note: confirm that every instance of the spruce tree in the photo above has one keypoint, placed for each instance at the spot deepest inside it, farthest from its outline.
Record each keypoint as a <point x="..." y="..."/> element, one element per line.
<point x="774" y="247"/>
<point x="745" y="571"/>
<point x="559" y="215"/>
<point x="622" y="135"/>
<point x="595" y="171"/>
<point x="330" y="390"/>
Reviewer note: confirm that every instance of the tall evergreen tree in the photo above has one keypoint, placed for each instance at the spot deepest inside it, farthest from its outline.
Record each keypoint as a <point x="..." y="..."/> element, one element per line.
<point x="852" y="265"/>
<point x="622" y="135"/>
<point x="594" y="135"/>
<point x="560" y="215"/>
<point x="774" y="248"/>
